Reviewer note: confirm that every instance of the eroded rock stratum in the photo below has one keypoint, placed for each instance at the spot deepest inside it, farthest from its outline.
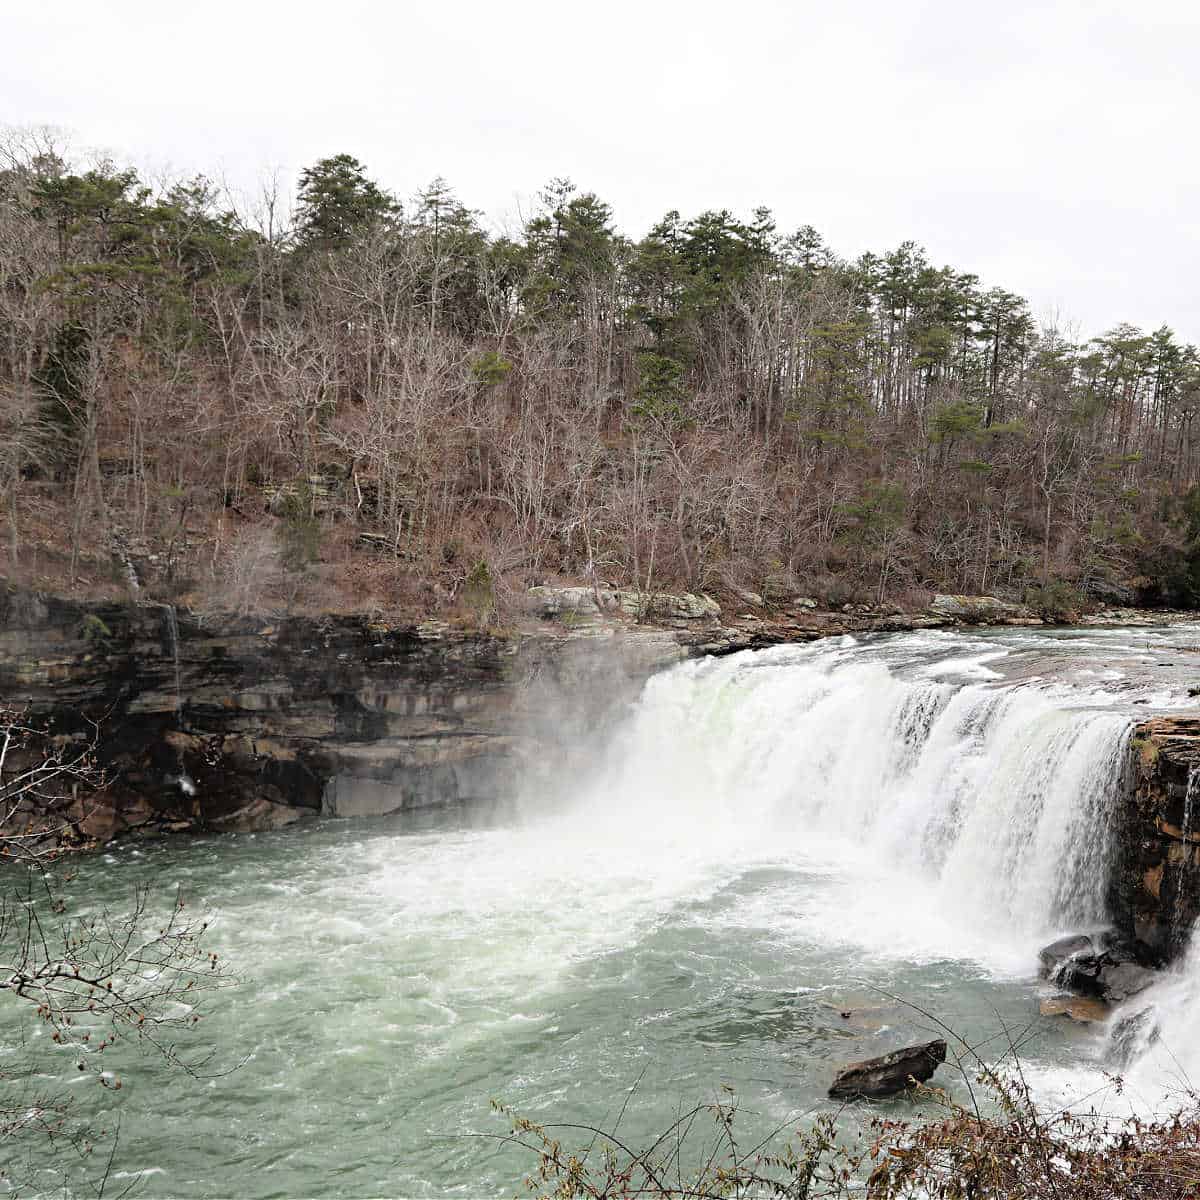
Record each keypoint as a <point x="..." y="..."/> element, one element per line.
<point x="233" y="723"/>
<point x="1155" y="885"/>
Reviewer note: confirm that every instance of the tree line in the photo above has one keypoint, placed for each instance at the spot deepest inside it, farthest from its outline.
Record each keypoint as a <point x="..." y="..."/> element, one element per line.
<point x="348" y="397"/>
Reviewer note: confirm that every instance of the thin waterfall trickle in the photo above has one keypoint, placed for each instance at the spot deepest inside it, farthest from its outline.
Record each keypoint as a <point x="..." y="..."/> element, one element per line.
<point x="171" y="630"/>
<point x="1180" y="935"/>
<point x="171" y="626"/>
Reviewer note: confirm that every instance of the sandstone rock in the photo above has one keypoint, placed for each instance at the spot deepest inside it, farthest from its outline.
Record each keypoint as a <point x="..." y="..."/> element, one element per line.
<point x="688" y="607"/>
<point x="552" y="602"/>
<point x="1154" y="889"/>
<point x="874" y="1078"/>
<point x="581" y="602"/>
<point x="980" y="610"/>
<point x="1085" y="1009"/>
<point x="259" y="816"/>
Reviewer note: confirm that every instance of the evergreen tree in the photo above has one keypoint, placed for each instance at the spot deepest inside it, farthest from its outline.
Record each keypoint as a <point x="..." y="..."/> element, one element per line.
<point x="337" y="200"/>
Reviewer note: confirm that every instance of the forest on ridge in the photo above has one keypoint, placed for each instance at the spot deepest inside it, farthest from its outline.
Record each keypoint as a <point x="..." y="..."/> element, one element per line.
<point x="343" y="400"/>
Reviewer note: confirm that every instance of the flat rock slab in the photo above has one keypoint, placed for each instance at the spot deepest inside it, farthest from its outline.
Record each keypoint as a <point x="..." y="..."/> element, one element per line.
<point x="1086" y="1009"/>
<point x="875" y="1078"/>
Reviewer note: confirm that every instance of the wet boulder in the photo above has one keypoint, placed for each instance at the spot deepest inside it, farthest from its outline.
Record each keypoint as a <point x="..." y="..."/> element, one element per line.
<point x="1053" y="956"/>
<point x="1124" y="979"/>
<point x="1105" y="966"/>
<point x="875" y="1078"/>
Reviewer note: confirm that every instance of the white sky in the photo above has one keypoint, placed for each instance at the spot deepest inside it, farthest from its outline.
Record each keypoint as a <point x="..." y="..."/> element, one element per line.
<point x="1048" y="146"/>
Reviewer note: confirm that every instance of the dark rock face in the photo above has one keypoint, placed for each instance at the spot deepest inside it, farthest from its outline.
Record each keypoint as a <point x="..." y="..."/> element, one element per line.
<point x="1106" y="966"/>
<point x="1154" y="892"/>
<point x="1051" y="957"/>
<point x="237" y="723"/>
<point x="875" y="1078"/>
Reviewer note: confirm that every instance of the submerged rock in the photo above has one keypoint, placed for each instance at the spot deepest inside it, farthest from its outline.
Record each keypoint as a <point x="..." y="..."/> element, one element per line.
<point x="875" y="1078"/>
<point x="1085" y="1009"/>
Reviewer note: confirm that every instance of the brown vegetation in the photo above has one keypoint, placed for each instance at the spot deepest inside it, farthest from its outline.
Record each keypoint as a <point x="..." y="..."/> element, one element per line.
<point x="380" y="405"/>
<point x="1002" y="1145"/>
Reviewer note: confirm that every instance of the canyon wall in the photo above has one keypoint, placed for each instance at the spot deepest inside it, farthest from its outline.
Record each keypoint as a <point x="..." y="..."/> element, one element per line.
<point x="236" y="723"/>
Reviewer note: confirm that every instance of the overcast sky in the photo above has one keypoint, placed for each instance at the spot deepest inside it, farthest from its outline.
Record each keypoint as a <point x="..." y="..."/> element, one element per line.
<point x="1049" y="147"/>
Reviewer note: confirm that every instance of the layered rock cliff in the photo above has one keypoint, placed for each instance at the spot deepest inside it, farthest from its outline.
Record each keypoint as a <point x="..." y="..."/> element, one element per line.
<point x="236" y="723"/>
<point x="1155" y="887"/>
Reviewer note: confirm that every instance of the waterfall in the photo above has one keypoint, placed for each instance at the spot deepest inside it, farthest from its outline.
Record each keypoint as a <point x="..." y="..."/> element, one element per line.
<point x="182" y="779"/>
<point x="171" y="627"/>
<point x="1179" y="934"/>
<point x="993" y="798"/>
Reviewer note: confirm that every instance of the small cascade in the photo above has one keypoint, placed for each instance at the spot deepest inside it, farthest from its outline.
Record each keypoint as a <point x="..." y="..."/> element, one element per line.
<point x="181" y="779"/>
<point x="1180" y="935"/>
<point x="171" y="629"/>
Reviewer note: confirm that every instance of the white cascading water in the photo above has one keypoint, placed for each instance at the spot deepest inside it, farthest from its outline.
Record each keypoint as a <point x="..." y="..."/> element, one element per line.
<point x="1157" y="1037"/>
<point x="992" y="801"/>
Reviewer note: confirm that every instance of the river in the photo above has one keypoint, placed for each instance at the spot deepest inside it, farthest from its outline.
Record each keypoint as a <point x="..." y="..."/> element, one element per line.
<point x="782" y="852"/>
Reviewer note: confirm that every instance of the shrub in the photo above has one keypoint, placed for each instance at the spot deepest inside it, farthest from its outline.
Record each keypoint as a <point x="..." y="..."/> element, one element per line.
<point x="1054" y="601"/>
<point x="1003" y="1146"/>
